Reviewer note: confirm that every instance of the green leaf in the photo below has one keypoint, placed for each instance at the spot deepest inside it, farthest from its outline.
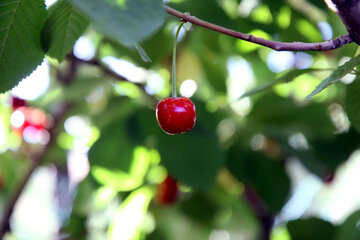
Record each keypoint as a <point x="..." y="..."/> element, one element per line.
<point x="129" y="22"/>
<point x="193" y="158"/>
<point x="273" y="111"/>
<point x="311" y="229"/>
<point x="287" y="77"/>
<point x="200" y="207"/>
<point x="20" y="50"/>
<point x="348" y="230"/>
<point x="112" y="150"/>
<point x="352" y="103"/>
<point x="142" y="53"/>
<point x="267" y="176"/>
<point x="339" y="73"/>
<point x="129" y="218"/>
<point x="63" y="27"/>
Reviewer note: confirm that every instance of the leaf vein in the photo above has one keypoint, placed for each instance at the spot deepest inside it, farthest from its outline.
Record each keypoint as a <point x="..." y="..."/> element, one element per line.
<point x="7" y="32"/>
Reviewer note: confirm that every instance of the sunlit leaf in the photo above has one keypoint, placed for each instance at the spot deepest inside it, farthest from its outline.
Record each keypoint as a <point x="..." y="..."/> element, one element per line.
<point x="287" y="77"/>
<point x="337" y="75"/>
<point x="128" y="219"/>
<point x="20" y="50"/>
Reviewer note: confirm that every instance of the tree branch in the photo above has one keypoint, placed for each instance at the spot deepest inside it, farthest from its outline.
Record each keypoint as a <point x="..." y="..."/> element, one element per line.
<point x="265" y="218"/>
<point x="36" y="160"/>
<point x="105" y="69"/>
<point x="278" y="46"/>
<point x="349" y="11"/>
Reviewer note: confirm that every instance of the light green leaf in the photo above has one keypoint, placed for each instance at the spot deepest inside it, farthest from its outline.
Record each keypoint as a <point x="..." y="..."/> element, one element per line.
<point x="20" y="50"/>
<point x="128" y="219"/>
<point x="339" y="73"/>
<point x="352" y="103"/>
<point x="129" y="22"/>
<point x="63" y="27"/>
<point x="142" y="53"/>
<point x="287" y="77"/>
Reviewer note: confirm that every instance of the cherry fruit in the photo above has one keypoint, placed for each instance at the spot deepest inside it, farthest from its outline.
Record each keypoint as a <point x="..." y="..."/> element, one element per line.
<point x="176" y="115"/>
<point x="167" y="191"/>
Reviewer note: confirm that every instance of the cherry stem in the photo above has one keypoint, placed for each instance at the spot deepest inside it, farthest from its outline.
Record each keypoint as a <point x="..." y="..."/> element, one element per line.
<point x="173" y="81"/>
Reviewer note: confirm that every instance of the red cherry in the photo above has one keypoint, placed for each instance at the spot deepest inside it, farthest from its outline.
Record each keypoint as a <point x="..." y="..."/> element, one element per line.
<point x="176" y="115"/>
<point x="167" y="191"/>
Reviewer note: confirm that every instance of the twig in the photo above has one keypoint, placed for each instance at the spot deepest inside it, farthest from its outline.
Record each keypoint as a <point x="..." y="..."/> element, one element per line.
<point x="266" y="219"/>
<point x="111" y="73"/>
<point x="278" y="46"/>
<point x="36" y="161"/>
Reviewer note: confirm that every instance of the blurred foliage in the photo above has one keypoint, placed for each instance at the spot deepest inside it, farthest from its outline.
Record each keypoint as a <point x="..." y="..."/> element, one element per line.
<point x="252" y="117"/>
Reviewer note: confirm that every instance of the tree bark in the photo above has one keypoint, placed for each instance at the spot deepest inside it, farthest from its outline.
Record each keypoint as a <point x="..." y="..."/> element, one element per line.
<point x="349" y="12"/>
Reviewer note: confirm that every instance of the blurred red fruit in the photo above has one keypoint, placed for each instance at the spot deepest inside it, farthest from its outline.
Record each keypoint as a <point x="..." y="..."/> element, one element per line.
<point x="17" y="102"/>
<point x="34" y="122"/>
<point x="167" y="191"/>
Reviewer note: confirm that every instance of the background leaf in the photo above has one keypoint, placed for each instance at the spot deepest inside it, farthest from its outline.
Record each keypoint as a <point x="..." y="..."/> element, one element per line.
<point x="192" y="158"/>
<point x="352" y="103"/>
<point x="311" y="229"/>
<point x="20" y="50"/>
<point x="128" y="23"/>
<point x="339" y="73"/>
<point x="287" y="77"/>
<point x="349" y="230"/>
<point x="63" y="27"/>
<point x="267" y="176"/>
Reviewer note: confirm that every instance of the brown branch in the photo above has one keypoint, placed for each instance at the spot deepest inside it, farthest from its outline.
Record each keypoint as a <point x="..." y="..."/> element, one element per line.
<point x="105" y="69"/>
<point x="278" y="46"/>
<point x="265" y="218"/>
<point x="349" y="11"/>
<point x="36" y="160"/>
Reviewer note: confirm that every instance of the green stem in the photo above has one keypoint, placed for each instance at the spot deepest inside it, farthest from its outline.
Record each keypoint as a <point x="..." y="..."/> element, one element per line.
<point x="173" y="80"/>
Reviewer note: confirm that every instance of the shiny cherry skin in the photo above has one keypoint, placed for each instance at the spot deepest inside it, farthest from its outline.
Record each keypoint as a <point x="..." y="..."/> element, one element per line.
<point x="176" y="115"/>
<point x="167" y="191"/>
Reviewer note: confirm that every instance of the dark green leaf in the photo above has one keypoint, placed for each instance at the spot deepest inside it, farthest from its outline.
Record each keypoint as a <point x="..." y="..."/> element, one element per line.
<point x="267" y="176"/>
<point x="63" y="27"/>
<point x="112" y="150"/>
<point x="20" y="50"/>
<point x="349" y="230"/>
<point x="287" y="77"/>
<point x="200" y="207"/>
<point x="352" y="103"/>
<point x="129" y="23"/>
<point x="193" y="158"/>
<point x="273" y="111"/>
<point x="311" y="229"/>
<point x="332" y="152"/>
<point x="339" y="73"/>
